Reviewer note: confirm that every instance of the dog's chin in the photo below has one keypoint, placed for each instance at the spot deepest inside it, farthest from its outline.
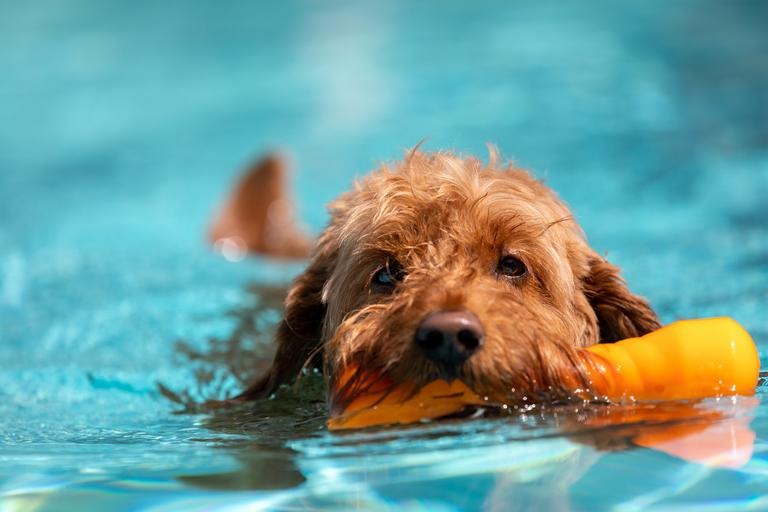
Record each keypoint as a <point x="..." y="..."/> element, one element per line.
<point x="448" y="372"/>
<point x="431" y="372"/>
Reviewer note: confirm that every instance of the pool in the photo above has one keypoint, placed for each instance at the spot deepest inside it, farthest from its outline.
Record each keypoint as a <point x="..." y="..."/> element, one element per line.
<point x="124" y="126"/>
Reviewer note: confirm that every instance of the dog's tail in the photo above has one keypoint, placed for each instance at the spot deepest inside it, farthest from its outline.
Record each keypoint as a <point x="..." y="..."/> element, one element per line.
<point x="258" y="216"/>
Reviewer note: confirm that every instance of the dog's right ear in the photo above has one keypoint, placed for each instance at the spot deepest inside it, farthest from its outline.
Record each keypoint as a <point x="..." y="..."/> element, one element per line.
<point x="299" y="335"/>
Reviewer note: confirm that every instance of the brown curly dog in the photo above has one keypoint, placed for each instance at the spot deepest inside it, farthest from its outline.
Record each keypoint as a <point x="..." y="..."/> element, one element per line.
<point x="440" y="266"/>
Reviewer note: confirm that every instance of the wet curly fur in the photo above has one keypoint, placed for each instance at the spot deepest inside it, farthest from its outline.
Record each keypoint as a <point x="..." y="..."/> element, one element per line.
<point x="445" y="222"/>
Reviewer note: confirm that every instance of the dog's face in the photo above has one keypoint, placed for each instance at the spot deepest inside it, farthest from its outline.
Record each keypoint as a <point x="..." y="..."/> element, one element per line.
<point x="441" y="267"/>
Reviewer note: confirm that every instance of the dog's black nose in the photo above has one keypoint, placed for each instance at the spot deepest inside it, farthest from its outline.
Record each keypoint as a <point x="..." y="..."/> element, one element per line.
<point x="450" y="337"/>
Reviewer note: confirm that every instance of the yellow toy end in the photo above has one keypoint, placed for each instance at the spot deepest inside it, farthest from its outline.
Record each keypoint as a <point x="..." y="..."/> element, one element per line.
<point x="684" y="360"/>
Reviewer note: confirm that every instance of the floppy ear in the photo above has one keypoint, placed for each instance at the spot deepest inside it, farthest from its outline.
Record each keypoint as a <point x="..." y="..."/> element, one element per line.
<point x="299" y="335"/>
<point x="620" y="313"/>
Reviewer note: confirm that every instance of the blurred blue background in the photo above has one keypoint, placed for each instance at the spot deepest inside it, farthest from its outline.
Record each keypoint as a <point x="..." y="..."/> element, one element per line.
<point x="124" y="125"/>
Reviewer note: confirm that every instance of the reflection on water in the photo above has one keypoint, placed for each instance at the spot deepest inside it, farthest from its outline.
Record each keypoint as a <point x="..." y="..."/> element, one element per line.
<point x="534" y="457"/>
<point x="261" y="467"/>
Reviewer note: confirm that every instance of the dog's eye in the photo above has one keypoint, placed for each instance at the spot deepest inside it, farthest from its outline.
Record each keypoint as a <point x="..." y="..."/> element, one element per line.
<point x="387" y="277"/>
<point x="511" y="266"/>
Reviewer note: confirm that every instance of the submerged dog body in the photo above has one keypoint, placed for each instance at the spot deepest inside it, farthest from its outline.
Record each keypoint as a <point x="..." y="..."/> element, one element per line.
<point x="445" y="267"/>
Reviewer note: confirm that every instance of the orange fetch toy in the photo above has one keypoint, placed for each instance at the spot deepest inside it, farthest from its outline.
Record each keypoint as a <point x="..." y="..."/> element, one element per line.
<point x="688" y="359"/>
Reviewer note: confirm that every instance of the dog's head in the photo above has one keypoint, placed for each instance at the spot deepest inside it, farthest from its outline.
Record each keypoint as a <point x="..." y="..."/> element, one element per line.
<point x="440" y="266"/>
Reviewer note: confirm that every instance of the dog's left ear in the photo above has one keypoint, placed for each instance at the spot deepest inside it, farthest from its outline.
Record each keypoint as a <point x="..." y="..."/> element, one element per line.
<point x="620" y="313"/>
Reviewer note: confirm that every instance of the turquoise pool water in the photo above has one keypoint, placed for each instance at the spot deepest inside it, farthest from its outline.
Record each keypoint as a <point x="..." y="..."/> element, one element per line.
<point x="124" y="125"/>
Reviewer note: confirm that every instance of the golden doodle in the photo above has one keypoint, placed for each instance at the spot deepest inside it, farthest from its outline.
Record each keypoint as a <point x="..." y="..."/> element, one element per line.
<point x="441" y="266"/>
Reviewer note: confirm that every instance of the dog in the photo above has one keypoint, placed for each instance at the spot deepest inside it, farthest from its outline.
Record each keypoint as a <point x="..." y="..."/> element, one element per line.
<point x="443" y="266"/>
